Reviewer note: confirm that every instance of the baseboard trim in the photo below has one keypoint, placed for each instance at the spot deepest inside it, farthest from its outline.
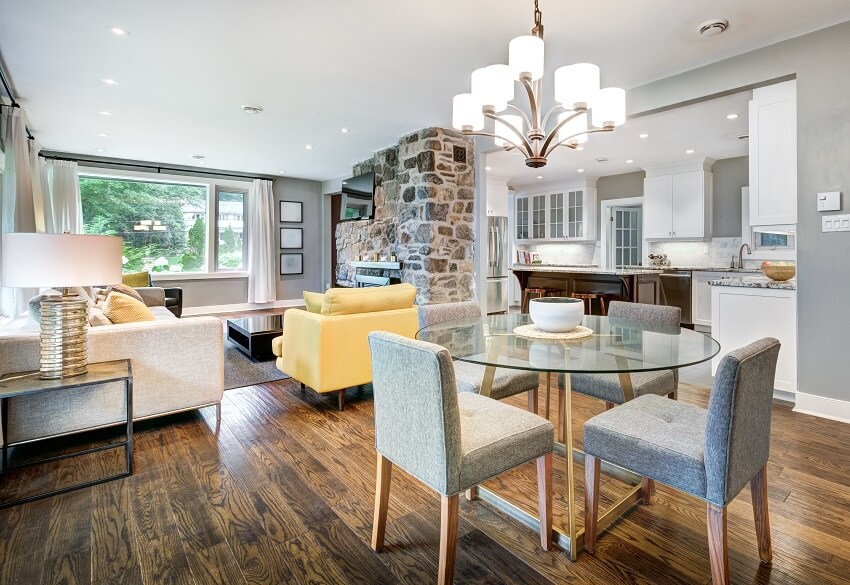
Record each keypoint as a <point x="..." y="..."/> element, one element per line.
<point x="236" y="307"/>
<point x="823" y="407"/>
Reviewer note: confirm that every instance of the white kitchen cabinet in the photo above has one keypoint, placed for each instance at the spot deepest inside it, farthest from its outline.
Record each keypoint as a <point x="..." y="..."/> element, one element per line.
<point x="701" y="296"/>
<point x="773" y="154"/>
<point x="563" y="213"/>
<point x="677" y="202"/>
<point x="741" y="315"/>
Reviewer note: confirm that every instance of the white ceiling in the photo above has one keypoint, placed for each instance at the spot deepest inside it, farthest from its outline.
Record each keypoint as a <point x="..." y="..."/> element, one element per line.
<point x="379" y="67"/>
<point x="701" y="127"/>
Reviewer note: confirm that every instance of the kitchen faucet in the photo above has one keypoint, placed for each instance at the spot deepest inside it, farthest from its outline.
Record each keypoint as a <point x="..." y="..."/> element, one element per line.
<point x="741" y="254"/>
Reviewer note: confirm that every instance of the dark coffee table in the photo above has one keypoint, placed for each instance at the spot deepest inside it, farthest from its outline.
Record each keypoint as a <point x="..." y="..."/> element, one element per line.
<point x="253" y="335"/>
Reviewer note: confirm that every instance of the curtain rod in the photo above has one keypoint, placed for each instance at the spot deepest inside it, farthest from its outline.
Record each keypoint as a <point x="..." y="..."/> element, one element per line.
<point x="158" y="168"/>
<point x="7" y="86"/>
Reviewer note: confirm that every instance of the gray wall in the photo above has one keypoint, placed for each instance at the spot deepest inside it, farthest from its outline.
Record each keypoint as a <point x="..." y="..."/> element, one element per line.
<point x="207" y="292"/>
<point x="819" y="61"/>
<point x="310" y="194"/>
<point x="617" y="187"/>
<point x="730" y="174"/>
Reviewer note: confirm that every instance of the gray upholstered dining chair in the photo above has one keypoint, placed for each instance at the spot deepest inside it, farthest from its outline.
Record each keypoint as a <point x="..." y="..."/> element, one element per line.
<point x="506" y="382"/>
<point x="448" y="440"/>
<point x="710" y="454"/>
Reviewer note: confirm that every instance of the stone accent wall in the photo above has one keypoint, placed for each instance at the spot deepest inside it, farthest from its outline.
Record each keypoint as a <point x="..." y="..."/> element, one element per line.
<point x="424" y="214"/>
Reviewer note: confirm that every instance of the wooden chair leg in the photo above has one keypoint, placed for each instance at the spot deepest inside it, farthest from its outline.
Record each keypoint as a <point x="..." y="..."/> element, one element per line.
<point x="544" y="499"/>
<point x="532" y="400"/>
<point x="591" y="501"/>
<point x="647" y="488"/>
<point x="472" y="493"/>
<point x="718" y="547"/>
<point x="383" y="475"/>
<point x="609" y="405"/>
<point x="758" y="487"/>
<point x="562" y="404"/>
<point x="674" y="395"/>
<point x="448" y="539"/>
<point x="340" y="397"/>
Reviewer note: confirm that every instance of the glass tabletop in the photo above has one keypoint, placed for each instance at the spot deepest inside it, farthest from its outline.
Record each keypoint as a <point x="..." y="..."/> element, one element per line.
<point x="617" y="345"/>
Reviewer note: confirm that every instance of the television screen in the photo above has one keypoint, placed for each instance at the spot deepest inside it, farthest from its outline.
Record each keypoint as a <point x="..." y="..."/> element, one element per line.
<point x="358" y="197"/>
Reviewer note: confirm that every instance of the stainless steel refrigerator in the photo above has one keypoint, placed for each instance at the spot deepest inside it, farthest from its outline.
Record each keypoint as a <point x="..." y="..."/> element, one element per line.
<point x="497" y="264"/>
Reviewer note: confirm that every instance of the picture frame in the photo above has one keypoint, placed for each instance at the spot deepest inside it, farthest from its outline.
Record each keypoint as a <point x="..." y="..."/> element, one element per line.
<point x="291" y="238"/>
<point x="291" y="263"/>
<point x="291" y="212"/>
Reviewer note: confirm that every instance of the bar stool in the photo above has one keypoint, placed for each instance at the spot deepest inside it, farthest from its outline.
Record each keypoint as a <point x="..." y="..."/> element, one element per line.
<point x="536" y="293"/>
<point x="588" y="299"/>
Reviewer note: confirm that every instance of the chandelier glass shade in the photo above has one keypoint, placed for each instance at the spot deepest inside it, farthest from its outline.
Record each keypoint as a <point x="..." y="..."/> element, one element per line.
<point x="581" y="106"/>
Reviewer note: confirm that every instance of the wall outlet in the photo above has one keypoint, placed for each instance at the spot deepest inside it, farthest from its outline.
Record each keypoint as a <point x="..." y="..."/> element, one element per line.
<point x="829" y="201"/>
<point x="835" y="223"/>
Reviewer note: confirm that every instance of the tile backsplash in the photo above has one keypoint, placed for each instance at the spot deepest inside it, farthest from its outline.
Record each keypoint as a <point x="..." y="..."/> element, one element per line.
<point x="573" y="253"/>
<point x="716" y="254"/>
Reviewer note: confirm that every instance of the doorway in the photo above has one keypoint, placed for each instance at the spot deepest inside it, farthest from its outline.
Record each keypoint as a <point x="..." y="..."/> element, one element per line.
<point x="336" y="207"/>
<point x="626" y="235"/>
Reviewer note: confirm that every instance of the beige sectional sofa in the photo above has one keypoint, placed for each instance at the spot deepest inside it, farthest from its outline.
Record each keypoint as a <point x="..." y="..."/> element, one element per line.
<point x="178" y="364"/>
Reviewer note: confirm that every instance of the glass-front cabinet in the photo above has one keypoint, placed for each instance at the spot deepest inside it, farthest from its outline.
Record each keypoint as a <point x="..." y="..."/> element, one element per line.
<point x="559" y="214"/>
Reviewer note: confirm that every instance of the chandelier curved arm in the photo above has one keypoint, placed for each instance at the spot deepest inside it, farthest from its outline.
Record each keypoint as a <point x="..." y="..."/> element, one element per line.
<point x="555" y="130"/>
<point x="594" y="131"/>
<point x="551" y="111"/>
<point x="532" y="102"/>
<point x="519" y="134"/>
<point x="491" y="135"/>
<point x="522" y="114"/>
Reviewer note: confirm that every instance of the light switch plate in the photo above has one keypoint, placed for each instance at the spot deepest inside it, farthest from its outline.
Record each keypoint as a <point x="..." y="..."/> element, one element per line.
<point x="829" y="201"/>
<point x="835" y="223"/>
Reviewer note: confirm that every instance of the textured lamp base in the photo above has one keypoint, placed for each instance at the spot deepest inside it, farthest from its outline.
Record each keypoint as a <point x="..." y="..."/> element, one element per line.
<point x="64" y="320"/>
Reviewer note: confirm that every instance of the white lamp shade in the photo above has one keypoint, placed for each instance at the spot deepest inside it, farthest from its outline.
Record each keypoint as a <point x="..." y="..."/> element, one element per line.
<point x="609" y="107"/>
<point x="493" y="86"/>
<point x="525" y="57"/>
<point x="501" y="129"/>
<point x="577" y="85"/>
<point x="466" y="112"/>
<point x="60" y="260"/>
<point x="574" y="126"/>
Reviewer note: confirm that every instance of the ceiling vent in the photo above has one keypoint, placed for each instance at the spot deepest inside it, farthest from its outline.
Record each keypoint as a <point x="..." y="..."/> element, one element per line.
<point x="743" y="136"/>
<point x="252" y="109"/>
<point x="602" y="159"/>
<point x="713" y="27"/>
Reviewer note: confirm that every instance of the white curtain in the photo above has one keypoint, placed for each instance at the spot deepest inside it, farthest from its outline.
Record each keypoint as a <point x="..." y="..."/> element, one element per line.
<point x="260" y="241"/>
<point x="65" y="213"/>
<point x="19" y="192"/>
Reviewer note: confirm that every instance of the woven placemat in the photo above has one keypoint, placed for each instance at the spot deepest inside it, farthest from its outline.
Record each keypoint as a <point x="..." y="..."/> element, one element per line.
<point x="536" y="332"/>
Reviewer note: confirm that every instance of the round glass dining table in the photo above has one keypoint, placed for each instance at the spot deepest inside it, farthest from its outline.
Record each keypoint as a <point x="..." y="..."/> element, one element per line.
<point x="616" y="346"/>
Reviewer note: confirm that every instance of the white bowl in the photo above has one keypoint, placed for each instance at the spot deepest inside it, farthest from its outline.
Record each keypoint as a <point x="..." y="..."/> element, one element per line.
<point x="556" y="314"/>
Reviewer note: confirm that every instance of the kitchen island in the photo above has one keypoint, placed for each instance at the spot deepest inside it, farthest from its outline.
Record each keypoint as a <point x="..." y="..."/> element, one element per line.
<point x="637" y="285"/>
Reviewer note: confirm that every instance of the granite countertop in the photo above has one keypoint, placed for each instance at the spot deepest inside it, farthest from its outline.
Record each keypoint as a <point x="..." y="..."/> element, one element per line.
<point x="701" y="269"/>
<point x="581" y="269"/>
<point x="754" y="282"/>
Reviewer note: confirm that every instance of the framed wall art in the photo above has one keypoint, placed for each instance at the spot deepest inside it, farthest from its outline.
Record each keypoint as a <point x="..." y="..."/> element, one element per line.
<point x="291" y="212"/>
<point x="291" y="263"/>
<point x="291" y="238"/>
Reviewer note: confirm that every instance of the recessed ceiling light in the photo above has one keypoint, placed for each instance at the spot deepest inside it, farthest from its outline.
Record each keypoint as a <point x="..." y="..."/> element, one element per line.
<point x="252" y="109"/>
<point x="713" y="27"/>
<point x="629" y="161"/>
<point x="100" y="149"/>
<point x="105" y="113"/>
<point x="282" y="172"/>
<point x="689" y="151"/>
<point x="488" y="169"/>
<point x="731" y="116"/>
<point x="344" y="130"/>
<point x="579" y="148"/>
<point x="580" y="170"/>
<point x="539" y="177"/>
<point x="109" y="81"/>
<point x="198" y="156"/>
<point x="202" y="162"/>
<point x="644" y="135"/>
<point x="118" y="31"/>
<point x="309" y="147"/>
<point x="102" y="134"/>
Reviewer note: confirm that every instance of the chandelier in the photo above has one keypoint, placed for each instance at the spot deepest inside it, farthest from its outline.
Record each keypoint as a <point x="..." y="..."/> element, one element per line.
<point x="577" y="94"/>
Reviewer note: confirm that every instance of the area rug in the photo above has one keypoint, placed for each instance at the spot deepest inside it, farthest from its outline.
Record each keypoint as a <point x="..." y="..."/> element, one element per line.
<point x="240" y="371"/>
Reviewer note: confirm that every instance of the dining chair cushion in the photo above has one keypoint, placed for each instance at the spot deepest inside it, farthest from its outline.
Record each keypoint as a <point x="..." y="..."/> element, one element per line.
<point x="506" y="382"/>
<point x="495" y="437"/>
<point x="607" y="386"/>
<point x="654" y="437"/>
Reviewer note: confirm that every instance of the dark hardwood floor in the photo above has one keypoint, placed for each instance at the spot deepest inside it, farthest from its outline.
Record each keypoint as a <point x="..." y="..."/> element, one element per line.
<point x="283" y="493"/>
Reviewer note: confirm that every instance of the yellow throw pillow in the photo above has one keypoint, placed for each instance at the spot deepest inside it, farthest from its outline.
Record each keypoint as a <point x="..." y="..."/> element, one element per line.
<point x="120" y="308"/>
<point x="351" y="301"/>
<point x="313" y="301"/>
<point x="136" y="279"/>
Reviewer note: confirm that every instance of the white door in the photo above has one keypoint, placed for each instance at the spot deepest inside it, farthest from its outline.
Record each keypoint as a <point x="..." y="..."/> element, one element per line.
<point x="688" y="205"/>
<point x="658" y="207"/>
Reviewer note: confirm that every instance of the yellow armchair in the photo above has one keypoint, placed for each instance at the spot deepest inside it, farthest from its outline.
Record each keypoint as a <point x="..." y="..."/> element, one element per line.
<point x="329" y="351"/>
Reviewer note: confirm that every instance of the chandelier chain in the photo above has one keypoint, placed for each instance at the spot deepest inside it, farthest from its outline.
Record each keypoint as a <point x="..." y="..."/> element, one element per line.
<point x="538" y="16"/>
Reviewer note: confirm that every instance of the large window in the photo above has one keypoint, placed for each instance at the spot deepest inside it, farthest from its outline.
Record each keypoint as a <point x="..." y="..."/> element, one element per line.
<point x="168" y="227"/>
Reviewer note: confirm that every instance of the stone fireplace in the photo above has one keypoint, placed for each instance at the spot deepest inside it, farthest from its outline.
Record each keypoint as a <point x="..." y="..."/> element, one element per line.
<point x="424" y="214"/>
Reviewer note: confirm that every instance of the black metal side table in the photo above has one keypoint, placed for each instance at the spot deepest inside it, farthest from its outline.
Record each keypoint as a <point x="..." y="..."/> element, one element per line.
<point x="29" y="383"/>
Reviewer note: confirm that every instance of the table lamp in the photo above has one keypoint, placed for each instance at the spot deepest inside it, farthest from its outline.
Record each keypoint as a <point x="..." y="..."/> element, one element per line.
<point x="61" y="261"/>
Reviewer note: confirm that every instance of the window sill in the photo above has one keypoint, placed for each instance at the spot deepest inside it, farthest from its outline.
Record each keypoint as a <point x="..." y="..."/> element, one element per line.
<point x="168" y="276"/>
